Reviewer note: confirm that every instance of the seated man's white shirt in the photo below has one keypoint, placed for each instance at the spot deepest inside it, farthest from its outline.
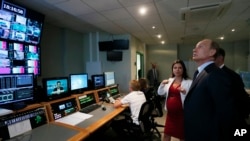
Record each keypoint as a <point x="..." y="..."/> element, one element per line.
<point x="135" y="99"/>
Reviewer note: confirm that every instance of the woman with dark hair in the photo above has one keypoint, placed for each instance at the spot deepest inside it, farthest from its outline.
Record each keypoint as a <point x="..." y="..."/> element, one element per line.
<point x="175" y="89"/>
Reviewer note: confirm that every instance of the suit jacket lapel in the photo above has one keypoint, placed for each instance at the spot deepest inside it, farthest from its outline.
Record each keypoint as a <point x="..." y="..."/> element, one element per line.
<point x="201" y="76"/>
<point x="198" y="78"/>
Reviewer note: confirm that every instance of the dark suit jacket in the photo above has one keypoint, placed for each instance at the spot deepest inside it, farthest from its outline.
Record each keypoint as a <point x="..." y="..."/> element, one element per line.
<point x="242" y="99"/>
<point x="208" y="108"/>
<point x="150" y="77"/>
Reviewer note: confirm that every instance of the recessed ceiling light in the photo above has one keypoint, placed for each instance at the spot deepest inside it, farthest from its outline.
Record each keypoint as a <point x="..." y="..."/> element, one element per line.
<point x="222" y="38"/>
<point x="233" y="30"/>
<point x="143" y="10"/>
<point x="153" y="27"/>
<point x="159" y="36"/>
<point x="162" y="42"/>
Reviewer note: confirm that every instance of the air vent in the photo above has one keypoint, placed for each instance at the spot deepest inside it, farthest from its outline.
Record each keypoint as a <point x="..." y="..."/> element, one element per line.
<point x="204" y="12"/>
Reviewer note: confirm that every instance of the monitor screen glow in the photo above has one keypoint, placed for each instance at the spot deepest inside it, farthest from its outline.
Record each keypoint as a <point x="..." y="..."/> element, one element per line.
<point x="109" y="78"/>
<point x="78" y="82"/>
<point x="16" y="88"/>
<point x="56" y="88"/>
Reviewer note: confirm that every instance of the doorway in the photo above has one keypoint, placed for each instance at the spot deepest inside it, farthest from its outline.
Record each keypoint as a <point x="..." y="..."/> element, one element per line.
<point x="139" y="65"/>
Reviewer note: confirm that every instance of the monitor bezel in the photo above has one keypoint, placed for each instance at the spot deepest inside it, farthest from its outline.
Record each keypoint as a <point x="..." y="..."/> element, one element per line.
<point x="79" y="90"/>
<point x="49" y="97"/>
<point x="93" y="81"/>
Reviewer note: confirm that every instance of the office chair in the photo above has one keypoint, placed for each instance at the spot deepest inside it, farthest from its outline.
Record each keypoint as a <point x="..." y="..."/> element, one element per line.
<point x="146" y="127"/>
<point x="157" y="108"/>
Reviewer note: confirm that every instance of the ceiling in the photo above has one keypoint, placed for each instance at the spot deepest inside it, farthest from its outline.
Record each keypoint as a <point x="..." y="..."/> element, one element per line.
<point x="178" y="21"/>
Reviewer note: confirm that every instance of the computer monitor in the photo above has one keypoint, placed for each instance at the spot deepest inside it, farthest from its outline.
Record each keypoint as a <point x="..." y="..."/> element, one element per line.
<point x="55" y="88"/>
<point x="98" y="81"/>
<point x="15" y="90"/>
<point x="121" y="44"/>
<point x="114" y="55"/>
<point x="78" y="83"/>
<point x="86" y="100"/>
<point x="109" y="78"/>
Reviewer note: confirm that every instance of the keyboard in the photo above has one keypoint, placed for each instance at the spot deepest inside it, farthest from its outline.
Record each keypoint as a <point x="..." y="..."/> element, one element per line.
<point x="90" y="108"/>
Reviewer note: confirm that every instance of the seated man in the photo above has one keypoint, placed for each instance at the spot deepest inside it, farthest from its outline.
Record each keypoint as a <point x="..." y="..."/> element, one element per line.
<point x="134" y="99"/>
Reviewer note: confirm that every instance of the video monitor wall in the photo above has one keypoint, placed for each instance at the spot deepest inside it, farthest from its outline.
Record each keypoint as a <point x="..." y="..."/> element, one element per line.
<point x="16" y="88"/>
<point x="20" y="35"/>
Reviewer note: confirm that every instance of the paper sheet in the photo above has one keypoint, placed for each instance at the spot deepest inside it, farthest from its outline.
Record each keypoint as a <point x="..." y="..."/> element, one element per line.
<point x="74" y="118"/>
<point x="19" y="128"/>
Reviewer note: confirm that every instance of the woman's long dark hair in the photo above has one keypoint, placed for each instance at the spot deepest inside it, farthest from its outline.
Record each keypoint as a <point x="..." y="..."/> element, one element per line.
<point x="184" y="75"/>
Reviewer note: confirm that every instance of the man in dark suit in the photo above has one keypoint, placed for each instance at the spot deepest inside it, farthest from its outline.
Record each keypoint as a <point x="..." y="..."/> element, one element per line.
<point x="153" y="76"/>
<point x="242" y="99"/>
<point x="209" y="112"/>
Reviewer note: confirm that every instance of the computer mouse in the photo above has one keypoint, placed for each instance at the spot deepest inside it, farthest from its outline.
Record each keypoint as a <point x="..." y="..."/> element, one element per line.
<point x="103" y="108"/>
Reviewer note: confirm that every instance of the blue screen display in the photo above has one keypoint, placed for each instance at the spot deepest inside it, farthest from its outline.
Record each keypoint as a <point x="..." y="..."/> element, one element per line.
<point x="57" y="86"/>
<point x="78" y="81"/>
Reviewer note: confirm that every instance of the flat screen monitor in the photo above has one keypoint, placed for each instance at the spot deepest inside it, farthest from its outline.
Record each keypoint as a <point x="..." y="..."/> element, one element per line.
<point x="19" y="23"/>
<point x="121" y="44"/>
<point x="78" y="83"/>
<point x="55" y="88"/>
<point x="114" y="55"/>
<point x="98" y="81"/>
<point x="16" y="89"/>
<point x="109" y="77"/>
<point x="20" y="38"/>
<point x="105" y="45"/>
<point x="87" y="100"/>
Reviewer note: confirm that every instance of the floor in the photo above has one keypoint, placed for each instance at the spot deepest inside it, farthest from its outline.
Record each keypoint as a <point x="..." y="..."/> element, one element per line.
<point x="106" y="133"/>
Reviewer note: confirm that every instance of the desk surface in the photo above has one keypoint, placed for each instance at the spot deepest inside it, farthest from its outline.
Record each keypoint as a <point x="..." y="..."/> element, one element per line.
<point x="100" y="117"/>
<point x="59" y="131"/>
<point x="51" y="132"/>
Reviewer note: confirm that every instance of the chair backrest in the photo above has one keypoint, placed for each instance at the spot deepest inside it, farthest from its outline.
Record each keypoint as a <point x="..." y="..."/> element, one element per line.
<point x="145" y="116"/>
<point x="151" y="95"/>
<point x="158" y="110"/>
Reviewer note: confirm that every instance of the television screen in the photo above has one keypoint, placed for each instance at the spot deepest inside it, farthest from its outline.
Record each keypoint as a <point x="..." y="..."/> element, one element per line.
<point x="105" y="45"/>
<point x="98" y="81"/>
<point x="78" y="82"/>
<point x="20" y="23"/>
<point x="20" y="36"/>
<point x="121" y="44"/>
<point x="114" y="56"/>
<point x="16" y="88"/>
<point x="109" y="78"/>
<point x="56" y="88"/>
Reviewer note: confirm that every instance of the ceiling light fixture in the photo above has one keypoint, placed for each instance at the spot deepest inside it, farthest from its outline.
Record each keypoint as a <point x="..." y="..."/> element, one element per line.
<point x="233" y="30"/>
<point x="153" y="27"/>
<point x="159" y="36"/>
<point x="162" y="42"/>
<point x="222" y="37"/>
<point x="142" y="10"/>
